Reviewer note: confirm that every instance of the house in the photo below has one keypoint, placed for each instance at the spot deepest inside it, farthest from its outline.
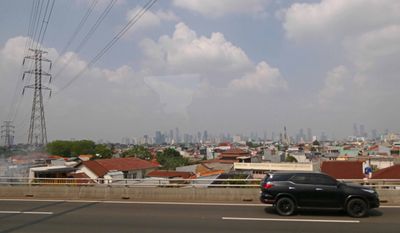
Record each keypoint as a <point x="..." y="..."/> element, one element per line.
<point x="343" y="169"/>
<point x="117" y="168"/>
<point x="235" y="155"/>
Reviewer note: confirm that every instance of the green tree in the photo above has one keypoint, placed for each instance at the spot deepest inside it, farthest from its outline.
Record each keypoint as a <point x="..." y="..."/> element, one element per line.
<point x="103" y="151"/>
<point x="137" y="151"/>
<point x="170" y="159"/>
<point x="83" y="147"/>
<point x="71" y="148"/>
<point x="290" y="159"/>
<point x="59" y="147"/>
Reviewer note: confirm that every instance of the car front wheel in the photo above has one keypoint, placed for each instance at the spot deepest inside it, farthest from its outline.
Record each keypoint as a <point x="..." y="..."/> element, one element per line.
<point x="357" y="208"/>
<point x="285" y="206"/>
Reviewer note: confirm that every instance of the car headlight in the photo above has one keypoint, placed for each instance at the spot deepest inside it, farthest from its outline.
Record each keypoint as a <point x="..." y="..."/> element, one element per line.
<point x="369" y="191"/>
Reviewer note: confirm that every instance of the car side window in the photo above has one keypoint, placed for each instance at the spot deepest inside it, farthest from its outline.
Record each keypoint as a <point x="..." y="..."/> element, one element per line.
<point x="314" y="179"/>
<point x="300" y="179"/>
<point x="324" y="180"/>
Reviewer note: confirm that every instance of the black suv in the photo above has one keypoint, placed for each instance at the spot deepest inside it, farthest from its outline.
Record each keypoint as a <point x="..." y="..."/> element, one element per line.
<point x="288" y="191"/>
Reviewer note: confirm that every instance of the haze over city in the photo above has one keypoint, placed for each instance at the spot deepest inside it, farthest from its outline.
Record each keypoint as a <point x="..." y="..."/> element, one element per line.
<point x="242" y="67"/>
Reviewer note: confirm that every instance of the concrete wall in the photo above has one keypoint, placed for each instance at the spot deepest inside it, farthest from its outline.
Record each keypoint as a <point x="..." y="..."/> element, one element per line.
<point x="229" y="195"/>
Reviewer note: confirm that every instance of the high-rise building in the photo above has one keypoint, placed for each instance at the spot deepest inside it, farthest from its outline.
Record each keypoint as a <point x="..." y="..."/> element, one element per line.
<point x="205" y="136"/>
<point x="309" y="135"/>
<point x="356" y="133"/>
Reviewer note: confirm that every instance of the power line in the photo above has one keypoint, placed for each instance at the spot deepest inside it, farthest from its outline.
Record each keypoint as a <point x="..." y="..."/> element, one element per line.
<point x="89" y="34"/>
<point x="109" y="45"/>
<point x="13" y="100"/>
<point x="78" y="28"/>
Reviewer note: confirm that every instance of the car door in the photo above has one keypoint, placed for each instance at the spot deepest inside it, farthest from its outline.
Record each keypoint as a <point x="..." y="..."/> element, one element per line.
<point x="303" y="190"/>
<point x="326" y="193"/>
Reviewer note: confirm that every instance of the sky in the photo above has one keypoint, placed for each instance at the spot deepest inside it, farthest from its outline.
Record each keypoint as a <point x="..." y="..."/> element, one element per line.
<point x="223" y="66"/>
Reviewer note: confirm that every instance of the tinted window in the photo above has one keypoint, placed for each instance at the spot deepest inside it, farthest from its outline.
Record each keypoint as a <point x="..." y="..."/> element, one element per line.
<point x="324" y="180"/>
<point x="279" y="177"/>
<point x="302" y="179"/>
<point x="319" y="179"/>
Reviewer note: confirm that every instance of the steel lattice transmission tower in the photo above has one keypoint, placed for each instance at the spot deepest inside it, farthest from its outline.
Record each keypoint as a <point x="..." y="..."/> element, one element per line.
<point x="37" y="134"/>
<point x="7" y="131"/>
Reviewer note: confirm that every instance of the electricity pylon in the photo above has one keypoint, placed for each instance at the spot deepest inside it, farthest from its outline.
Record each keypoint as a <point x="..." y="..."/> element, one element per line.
<point x="37" y="134"/>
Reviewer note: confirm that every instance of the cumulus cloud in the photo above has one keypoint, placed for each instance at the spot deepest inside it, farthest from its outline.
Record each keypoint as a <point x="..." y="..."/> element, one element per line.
<point x="185" y="52"/>
<point x="335" y="84"/>
<point x="107" y="103"/>
<point x="264" y="79"/>
<point x="151" y="19"/>
<point x="217" y="64"/>
<point x="332" y="19"/>
<point x="220" y="8"/>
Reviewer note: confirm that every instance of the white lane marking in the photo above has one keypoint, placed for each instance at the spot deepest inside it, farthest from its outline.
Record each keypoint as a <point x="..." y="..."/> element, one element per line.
<point x="24" y="212"/>
<point x="34" y="212"/>
<point x="291" y="220"/>
<point x="10" y="212"/>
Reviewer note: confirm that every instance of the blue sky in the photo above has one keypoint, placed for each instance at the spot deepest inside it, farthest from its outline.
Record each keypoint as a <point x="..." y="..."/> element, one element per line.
<point x="223" y="66"/>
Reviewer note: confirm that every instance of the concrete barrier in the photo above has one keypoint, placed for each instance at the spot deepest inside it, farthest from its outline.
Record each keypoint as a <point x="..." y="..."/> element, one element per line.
<point x="228" y="195"/>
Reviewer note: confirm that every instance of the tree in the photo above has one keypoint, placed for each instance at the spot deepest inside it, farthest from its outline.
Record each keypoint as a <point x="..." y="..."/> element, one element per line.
<point x="59" y="147"/>
<point x="71" y="148"/>
<point x="137" y="151"/>
<point x="290" y="159"/>
<point x="83" y="147"/>
<point x="170" y="159"/>
<point x="103" y="151"/>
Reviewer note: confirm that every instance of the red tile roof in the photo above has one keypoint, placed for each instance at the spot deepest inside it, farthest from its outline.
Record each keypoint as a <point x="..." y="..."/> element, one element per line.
<point x="102" y="166"/>
<point x="171" y="174"/>
<point x="224" y="144"/>
<point x="392" y="172"/>
<point x="343" y="169"/>
<point x="235" y="151"/>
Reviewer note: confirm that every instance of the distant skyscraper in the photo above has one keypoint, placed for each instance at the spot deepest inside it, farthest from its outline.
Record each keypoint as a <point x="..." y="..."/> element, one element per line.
<point x="355" y="130"/>
<point x="374" y="134"/>
<point x="205" y="136"/>
<point x="309" y="135"/>
<point x="177" y="136"/>
<point x="159" y="138"/>
<point x="324" y="137"/>
<point x="362" y="131"/>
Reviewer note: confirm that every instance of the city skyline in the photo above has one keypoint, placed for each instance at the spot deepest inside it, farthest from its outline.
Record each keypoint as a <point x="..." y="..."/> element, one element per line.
<point x="235" y="66"/>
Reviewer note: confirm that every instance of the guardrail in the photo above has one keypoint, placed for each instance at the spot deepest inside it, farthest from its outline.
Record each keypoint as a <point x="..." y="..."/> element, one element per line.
<point x="176" y="182"/>
<point x="148" y="182"/>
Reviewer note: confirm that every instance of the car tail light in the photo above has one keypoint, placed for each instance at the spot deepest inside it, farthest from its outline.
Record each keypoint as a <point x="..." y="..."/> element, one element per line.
<point x="267" y="185"/>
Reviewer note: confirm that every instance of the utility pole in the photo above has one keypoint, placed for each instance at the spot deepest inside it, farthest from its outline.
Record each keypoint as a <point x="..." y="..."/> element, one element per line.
<point x="37" y="134"/>
<point x="7" y="134"/>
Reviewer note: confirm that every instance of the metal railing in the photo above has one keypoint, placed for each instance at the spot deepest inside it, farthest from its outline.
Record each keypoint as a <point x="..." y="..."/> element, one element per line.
<point x="176" y="182"/>
<point x="148" y="182"/>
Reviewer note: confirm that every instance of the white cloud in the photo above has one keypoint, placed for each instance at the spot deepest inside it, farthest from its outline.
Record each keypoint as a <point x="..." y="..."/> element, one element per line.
<point x="151" y="18"/>
<point x="330" y="19"/>
<point x="375" y="48"/>
<point x="335" y="84"/>
<point x="108" y="103"/>
<point x="213" y="8"/>
<point x="185" y="52"/>
<point x="263" y="79"/>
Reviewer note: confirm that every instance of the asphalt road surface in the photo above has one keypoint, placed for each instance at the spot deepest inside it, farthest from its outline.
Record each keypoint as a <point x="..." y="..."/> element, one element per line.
<point x="64" y="216"/>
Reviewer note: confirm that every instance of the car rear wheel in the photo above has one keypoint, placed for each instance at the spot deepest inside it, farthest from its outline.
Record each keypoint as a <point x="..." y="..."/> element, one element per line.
<point x="285" y="206"/>
<point x="357" y="208"/>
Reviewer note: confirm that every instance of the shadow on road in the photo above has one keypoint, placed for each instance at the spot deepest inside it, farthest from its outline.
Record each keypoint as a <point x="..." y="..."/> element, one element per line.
<point x="28" y="224"/>
<point x="328" y="213"/>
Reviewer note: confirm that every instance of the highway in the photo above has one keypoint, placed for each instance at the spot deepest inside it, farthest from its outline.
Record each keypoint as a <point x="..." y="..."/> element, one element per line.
<point x="66" y="216"/>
